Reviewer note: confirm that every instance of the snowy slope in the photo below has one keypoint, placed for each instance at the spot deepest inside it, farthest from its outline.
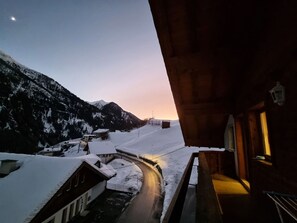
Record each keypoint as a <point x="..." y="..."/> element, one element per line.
<point x="165" y="146"/>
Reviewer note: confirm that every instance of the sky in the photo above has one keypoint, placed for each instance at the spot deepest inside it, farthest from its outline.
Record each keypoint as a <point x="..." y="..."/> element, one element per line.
<point x="98" y="49"/>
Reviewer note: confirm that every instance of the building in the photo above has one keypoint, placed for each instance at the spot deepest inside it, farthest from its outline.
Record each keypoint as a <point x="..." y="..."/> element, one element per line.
<point x="165" y="124"/>
<point x="51" y="151"/>
<point x="49" y="189"/>
<point x="227" y="62"/>
<point x="103" y="149"/>
<point x="88" y="137"/>
<point x="101" y="133"/>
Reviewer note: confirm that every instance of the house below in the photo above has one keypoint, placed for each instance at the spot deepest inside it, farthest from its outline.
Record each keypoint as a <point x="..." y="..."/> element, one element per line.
<point x="49" y="189"/>
<point x="101" y="133"/>
<point x="103" y="149"/>
<point x="51" y="151"/>
<point x="88" y="137"/>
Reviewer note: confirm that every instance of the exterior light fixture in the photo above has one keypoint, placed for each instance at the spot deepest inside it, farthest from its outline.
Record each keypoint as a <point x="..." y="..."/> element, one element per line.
<point x="278" y="94"/>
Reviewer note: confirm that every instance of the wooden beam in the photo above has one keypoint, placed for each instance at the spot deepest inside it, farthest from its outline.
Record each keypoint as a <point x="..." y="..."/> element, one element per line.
<point x="207" y="108"/>
<point x="203" y="142"/>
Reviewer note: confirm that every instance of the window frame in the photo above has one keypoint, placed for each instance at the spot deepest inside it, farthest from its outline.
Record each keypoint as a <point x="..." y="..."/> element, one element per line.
<point x="265" y="139"/>
<point x="256" y="139"/>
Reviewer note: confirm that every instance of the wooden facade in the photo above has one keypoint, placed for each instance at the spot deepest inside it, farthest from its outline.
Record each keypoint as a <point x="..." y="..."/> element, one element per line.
<point x="81" y="181"/>
<point x="223" y="58"/>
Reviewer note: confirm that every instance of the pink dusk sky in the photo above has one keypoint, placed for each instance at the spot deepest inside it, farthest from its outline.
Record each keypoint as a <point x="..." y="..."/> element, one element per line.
<point x="98" y="49"/>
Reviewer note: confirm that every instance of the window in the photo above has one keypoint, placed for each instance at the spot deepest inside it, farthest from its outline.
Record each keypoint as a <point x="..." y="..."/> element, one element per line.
<point x="78" y="207"/>
<point x="229" y="140"/>
<point x="64" y="216"/>
<point x="71" y="211"/>
<point x="69" y="186"/>
<point x="83" y="178"/>
<point x="76" y="180"/>
<point x="59" y="194"/>
<point x="264" y="130"/>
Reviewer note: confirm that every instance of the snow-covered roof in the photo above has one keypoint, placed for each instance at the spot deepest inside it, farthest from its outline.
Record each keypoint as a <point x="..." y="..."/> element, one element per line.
<point x="101" y="131"/>
<point x="52" y="149"/>
<point x="101" y="147"/>
<point x="26" y="190"/>
<point x="89" y="135"/>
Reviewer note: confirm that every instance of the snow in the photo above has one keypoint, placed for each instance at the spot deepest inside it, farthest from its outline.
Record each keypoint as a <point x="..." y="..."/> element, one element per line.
<point x="164" y="146"/>
<point x="49" y="113"/>
<point x="86" y="127"/>
<point x="97" y="115"/>
<point x="101" y="147"/>
<point x="48" y="127"/>
<point x="76" y="150"/>
<point x="99" y="104"/>
<point x="7" y="58"/>
<point x="101" y="131"/>
<point x="52" y="149"/>
<point x="7" y="126"/>
<point x="105" y="169"/>
<point x="35" y="182"/>
<point x="129" y="176"/>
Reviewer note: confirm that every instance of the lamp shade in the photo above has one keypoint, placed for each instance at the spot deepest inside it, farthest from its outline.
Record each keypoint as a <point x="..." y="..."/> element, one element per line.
<point x="278" y="94"/>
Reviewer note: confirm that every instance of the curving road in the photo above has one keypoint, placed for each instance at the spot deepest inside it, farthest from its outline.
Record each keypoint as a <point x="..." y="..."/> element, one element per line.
<point x="147" y="205"/>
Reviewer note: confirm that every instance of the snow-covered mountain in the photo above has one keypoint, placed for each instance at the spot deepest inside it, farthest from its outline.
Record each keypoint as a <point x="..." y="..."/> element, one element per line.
<point x="115" y="115"/>
<point x="99" y="104"/>
<point x="35" y="110"/>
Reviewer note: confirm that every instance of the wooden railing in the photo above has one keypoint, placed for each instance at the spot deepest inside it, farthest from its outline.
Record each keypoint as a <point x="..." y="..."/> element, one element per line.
<point x="175" y="208"/>
<point x="208" y="208"/>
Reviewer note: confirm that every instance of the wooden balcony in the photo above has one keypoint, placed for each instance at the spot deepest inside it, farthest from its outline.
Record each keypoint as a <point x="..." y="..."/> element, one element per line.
<point x="219" y="198"/>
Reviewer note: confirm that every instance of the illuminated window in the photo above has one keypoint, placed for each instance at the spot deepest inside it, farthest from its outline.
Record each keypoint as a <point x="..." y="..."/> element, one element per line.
<point x="265" y="138"/>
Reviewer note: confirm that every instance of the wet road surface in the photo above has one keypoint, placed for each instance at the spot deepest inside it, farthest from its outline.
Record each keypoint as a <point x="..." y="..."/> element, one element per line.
<point x="146" y="207"/>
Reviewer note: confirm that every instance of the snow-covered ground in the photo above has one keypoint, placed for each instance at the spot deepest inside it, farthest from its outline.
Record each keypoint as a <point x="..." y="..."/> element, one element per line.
<point x="164" y="146"/>
<point x="129" y="176"/>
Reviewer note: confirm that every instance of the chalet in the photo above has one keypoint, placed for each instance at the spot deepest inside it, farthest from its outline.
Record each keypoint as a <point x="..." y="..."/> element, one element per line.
<point x="88" y="137"/>
<point x="101" y="133"/>
<point x="51" y="151"/>
<point x="153" y="121"/>
<point x="103" y="149"/>
<point x="232" y="70"/>
<point x="49" y="189"/>
<point x="165" y="124"/>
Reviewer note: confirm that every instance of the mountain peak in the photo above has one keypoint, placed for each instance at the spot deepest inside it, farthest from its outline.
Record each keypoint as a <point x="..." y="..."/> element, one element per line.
<point x="99" y="104"/>
<point x="6" y="57"/>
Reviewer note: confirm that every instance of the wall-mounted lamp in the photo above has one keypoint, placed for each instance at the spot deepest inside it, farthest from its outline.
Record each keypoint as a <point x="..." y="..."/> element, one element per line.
<point x="278" y="94"/>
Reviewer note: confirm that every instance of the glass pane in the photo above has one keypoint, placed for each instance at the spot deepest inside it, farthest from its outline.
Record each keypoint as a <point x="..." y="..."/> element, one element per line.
<point x="265" y="134"/>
